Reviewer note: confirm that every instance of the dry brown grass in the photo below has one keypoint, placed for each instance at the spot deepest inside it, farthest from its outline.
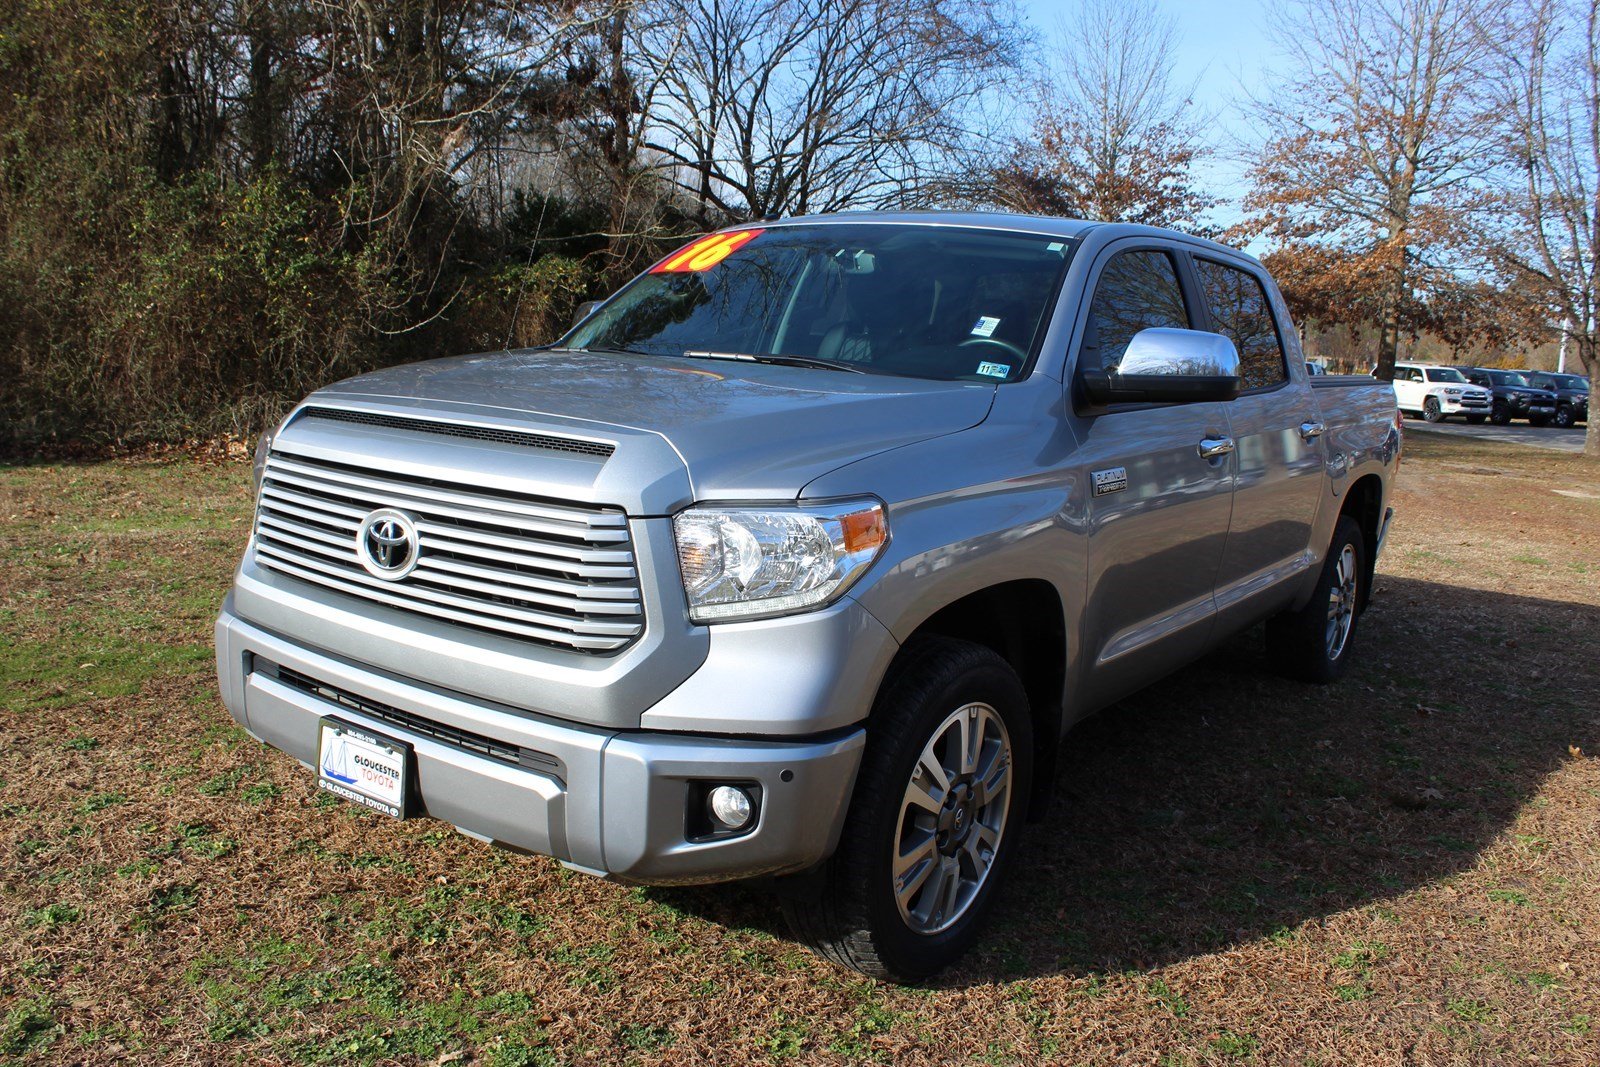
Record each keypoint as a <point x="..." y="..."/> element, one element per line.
<point x="1398" y="870"/>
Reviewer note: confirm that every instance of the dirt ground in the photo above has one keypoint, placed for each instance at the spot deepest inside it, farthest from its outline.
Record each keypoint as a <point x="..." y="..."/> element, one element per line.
<point x="1401" y="869"/>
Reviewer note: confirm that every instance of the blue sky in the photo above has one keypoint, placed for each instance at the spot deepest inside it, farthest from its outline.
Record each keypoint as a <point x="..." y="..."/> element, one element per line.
<point x="1223" y="48"/>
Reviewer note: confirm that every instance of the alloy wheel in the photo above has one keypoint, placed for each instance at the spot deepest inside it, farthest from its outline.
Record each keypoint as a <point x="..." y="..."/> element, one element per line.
<point x="952" y="818"/>
<point x="1342" y="602"/>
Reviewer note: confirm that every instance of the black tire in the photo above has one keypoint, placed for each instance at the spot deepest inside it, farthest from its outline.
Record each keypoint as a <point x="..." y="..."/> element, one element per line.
<point x="1564" y="418"/>
<point x="847" y="910"/>
<point x="1476" y="420"/>
<point x="1431" y="411"/>
<point x="1299" y="643"/>
<point x="1538" y="420"/>
<point x="1499" y="414"/>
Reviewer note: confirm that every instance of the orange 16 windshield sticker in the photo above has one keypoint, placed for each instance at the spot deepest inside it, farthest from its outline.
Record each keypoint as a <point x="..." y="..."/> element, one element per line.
<point x="705" y="253"/>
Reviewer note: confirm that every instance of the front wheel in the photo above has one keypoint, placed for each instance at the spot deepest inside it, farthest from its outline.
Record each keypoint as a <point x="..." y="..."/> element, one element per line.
<point x="1476" y="420"/>
<point x="1499" y="414"/>
<point x="1431" y="410"/>
<point x="934" y="820"/>
<point x="1538" y="420"/>
<point x="1565" y="418"/>
<point x="1313" y="644"/>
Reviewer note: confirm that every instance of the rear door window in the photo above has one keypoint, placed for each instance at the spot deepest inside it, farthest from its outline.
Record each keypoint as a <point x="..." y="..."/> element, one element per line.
<point x="1241" y="312"/>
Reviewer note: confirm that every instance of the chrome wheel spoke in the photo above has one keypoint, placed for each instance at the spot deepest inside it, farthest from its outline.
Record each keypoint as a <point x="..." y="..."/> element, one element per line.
<point x="919" y="796"/>
<point x="970" y="729"/>
<point x="946" y="890"/>
<point x="993" y="784"/>
<point x="922" y="850"/>
<point x="910" y="877"/>
<point x="980" y="848"/>
<point x="930" y="765"/>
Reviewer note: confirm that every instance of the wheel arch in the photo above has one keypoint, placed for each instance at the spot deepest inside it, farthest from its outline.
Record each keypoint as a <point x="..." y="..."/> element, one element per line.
<point x="1024" y="621"/>
<point x="1363" y="502"/>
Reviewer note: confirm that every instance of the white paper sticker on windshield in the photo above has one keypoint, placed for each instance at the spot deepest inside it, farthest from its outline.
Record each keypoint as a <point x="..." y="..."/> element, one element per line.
<point x="985" y="327"/>
<point x="994" y="370"/>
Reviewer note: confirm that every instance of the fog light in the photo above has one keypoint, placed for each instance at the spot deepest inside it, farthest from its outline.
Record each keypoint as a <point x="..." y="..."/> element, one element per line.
<point x="730" y="806"/>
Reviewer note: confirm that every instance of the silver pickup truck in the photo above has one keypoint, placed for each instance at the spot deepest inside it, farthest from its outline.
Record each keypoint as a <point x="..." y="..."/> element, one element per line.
<point x="798" y="556"/>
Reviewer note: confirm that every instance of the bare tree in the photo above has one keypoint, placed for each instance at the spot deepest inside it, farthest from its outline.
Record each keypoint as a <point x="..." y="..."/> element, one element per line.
<point x="1114" y="136"/>
<point x="771" y="107"/>
<point x="1371" y="146"/>
<point x="1542" y="227"/>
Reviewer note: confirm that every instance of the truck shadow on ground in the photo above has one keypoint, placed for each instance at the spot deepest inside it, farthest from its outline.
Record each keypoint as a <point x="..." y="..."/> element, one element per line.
<point x="1225" y="804"/>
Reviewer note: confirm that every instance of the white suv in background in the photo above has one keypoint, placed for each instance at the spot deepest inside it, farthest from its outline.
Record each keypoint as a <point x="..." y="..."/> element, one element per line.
<point x="1436" y="392"/>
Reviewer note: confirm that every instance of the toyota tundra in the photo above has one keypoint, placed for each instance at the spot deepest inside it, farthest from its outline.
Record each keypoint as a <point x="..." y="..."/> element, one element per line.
<point x="798" y="556"/>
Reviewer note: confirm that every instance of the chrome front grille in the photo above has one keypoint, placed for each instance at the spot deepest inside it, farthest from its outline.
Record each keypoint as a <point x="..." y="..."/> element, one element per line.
<point x="556" y="573"/>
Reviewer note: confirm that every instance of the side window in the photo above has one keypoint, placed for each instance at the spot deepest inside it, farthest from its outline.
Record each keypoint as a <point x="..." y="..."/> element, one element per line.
<point x="1241" y="312"/>
<point x="1137" y="291"/>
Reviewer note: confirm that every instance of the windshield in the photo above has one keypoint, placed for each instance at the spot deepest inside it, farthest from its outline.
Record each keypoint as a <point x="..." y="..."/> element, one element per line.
<point x="943" y="302"/>
<point x="1508" y="377"/>
<point x="1571" y="381"/>
<point x="1446" y="374"/>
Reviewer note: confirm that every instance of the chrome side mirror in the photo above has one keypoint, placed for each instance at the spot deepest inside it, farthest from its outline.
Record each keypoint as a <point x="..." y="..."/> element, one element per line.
<point x="1163" y="366"/>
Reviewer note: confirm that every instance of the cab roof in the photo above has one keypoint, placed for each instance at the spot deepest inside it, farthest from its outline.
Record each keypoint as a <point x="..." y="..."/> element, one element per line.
<point x="1043" y="225"/>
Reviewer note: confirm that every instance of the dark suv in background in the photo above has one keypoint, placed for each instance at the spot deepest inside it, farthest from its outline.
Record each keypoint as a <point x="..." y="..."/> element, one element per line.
<point x="1514" y="396"/>
<point x="1572" y="394"/>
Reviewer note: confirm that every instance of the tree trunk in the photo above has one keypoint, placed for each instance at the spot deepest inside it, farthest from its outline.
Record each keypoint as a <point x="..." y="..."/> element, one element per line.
<point x="1389" y="327"/>
<point x="1589" y="356"/>
<point x="619" y="155"/>
<point x="259" y="110"/>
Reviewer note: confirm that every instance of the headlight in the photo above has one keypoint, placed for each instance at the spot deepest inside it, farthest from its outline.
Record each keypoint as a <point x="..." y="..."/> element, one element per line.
<point x="744" y="562"/>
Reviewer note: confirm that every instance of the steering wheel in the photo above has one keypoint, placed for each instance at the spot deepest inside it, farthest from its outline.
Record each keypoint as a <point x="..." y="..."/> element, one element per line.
<point x="1022" y="357"/>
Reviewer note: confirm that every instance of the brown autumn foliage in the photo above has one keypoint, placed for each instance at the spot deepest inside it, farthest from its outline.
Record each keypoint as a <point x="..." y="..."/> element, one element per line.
<point x="1372" y="141"/>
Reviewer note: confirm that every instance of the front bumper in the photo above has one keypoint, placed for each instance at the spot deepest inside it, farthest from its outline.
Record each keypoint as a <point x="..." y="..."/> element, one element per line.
<point x="1531" y="405"/>
<point x="605" y="801"/>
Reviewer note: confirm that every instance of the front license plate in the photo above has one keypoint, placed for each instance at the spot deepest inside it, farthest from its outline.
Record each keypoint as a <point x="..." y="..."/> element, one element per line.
<point x="364" y="767"/>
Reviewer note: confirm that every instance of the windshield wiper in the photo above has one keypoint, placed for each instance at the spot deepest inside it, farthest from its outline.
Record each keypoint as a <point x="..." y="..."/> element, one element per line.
<point x="781" y="361"/>
<point x="601" y="351"/>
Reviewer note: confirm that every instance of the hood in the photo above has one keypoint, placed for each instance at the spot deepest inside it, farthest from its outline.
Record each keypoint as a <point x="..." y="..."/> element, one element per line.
<point x="743" y="430"/>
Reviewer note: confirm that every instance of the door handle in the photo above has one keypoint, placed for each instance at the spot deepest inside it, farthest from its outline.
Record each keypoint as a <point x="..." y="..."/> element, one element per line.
<point x="1212" y="447"/>
<point x="1308" y="430"/>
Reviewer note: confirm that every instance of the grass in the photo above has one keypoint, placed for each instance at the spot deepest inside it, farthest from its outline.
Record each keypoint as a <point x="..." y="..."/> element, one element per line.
<point x="1236" y="869"/>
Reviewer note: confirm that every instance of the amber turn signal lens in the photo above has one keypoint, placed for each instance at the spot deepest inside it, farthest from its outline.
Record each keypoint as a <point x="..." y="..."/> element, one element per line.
<point x="864" y="531"/>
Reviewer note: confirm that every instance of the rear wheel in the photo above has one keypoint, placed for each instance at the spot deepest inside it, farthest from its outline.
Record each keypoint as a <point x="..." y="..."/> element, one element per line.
<point x="934" y="820"/>
<point x="1313" y="644"/>
<point x="1431" y="411"/>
